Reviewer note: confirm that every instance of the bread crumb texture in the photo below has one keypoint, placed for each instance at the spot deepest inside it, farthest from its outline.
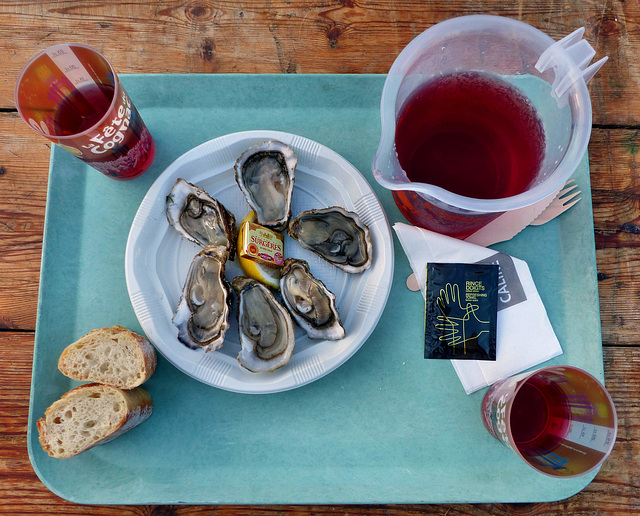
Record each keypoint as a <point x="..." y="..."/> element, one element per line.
<point x="112" y="356"/>
<point x="90" y="415"/>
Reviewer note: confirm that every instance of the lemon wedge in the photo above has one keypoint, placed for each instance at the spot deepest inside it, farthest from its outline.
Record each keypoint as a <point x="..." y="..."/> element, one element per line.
<point x="257" y="271"/>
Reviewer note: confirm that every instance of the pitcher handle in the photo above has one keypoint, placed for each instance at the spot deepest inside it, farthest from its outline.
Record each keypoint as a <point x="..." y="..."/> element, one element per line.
<point x="580" y="52"/>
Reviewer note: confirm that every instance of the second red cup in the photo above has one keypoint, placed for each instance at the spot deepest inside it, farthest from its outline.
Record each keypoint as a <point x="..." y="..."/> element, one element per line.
<point x="560" y="420"/>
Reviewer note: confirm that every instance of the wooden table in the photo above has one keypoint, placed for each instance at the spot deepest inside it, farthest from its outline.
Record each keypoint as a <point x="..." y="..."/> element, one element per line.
<point x="297" y="36"/>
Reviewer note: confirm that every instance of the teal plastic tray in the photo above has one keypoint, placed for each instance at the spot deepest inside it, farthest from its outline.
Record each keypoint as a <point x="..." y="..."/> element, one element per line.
<point x="385" y="427"/>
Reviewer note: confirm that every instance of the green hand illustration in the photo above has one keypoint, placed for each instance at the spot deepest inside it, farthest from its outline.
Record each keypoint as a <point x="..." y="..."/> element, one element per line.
<point x="463" y="326"/>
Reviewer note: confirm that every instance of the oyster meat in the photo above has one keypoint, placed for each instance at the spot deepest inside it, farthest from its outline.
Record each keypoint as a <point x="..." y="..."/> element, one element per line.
<point x="265" y="174"/>
<point x="202" y="317"/>
<point x="200" y="218"/>
<point x="335" y="234"/>
<point x="264" y="325"/>
<point x="309" y="302"/>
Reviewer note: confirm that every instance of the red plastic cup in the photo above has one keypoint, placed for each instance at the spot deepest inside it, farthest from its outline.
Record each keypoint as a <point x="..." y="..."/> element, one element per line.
<point x="560" y="420"/>
<point x="70" y="94"/>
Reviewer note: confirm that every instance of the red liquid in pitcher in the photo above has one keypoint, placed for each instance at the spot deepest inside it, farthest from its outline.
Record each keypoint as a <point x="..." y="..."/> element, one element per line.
<point x="472" y="134"/>
<point x="540" y="417"/>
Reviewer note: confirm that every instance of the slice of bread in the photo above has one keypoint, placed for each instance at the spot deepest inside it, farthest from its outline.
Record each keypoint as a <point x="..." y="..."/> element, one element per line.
<point x="90" y="415"/>
<point x="112" y="356"/>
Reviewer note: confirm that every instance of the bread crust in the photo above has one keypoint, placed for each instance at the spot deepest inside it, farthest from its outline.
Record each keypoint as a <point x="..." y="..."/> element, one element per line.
<point x="139" y="407"/>
<point x="145" y="351"/>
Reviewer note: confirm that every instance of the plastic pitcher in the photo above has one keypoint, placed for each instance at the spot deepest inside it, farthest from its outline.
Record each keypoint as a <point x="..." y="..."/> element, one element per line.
<point x="551" y="75"/>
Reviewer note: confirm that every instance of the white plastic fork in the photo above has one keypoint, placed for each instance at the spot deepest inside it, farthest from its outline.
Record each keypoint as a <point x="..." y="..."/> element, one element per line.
<point x="561" y="203"/>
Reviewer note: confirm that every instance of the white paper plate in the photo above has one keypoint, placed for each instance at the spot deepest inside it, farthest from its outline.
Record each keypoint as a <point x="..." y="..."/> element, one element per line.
<point x="157" y="259"/>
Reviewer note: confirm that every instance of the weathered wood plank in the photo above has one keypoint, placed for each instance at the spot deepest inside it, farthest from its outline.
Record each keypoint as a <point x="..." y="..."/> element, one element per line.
<point x="24" y="165"/>
<point x="618" y="288"/>
<point x="302" y="36"/>
<point x="616" y="488"/>
<point x="299" y="36"/>
<point x="615" y="184"/>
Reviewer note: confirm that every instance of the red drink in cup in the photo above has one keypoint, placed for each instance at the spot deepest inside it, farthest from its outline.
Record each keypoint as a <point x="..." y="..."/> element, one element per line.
<point x="540" y="417"/>
<point x="560" y="420"/>
<point x="70" y="94"/>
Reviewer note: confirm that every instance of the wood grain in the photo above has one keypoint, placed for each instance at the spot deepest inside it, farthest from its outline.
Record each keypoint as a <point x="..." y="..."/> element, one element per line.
<point x="615" y="184"/>
<point x="284" y="36"/>
<point x="24" y="159"/>
<point x="615" y="488"/>
<point x="330" y="36"/>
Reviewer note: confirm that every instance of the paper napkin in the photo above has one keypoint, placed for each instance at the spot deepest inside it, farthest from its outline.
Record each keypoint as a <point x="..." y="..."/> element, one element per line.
<point x="525" y="337"/>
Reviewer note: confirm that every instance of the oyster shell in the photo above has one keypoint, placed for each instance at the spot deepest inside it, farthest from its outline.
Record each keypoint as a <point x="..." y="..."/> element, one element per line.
<point x="265" y="174"/>
<point x="200" y="218"/>
<point x="335" y="234"/>
<point x="264" y="325"/>
<point x="309" y="302"/>
<point x="202" y="317"/>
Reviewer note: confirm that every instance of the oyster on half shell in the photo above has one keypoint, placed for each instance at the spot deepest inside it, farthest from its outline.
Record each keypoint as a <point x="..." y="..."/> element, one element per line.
<point x="265" y="174"/>
<point x="264" y="326"/>
<point x="309" y="302"/>
<point x="200" y="218"/>
<point x="335" y="234"/>
<point x="202" y="317"/>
